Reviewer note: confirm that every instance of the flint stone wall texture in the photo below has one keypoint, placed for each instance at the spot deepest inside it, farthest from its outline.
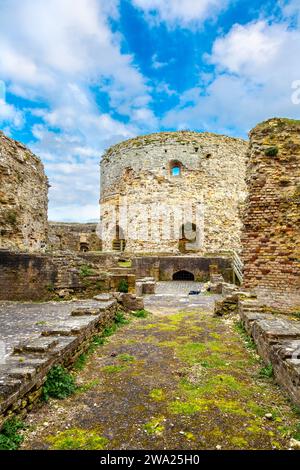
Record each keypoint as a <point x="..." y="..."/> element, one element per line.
<point x="138" y="172"/>
<point x="23" y="198"/>
<point x="73" y="237"/>
<point x="271" y="237"/>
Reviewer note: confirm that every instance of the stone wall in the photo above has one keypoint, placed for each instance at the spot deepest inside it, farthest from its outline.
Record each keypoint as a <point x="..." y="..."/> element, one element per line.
<point x="163" y="268"/>
<point x="23" y="198"/>
<point x="73" y="237"/>
<point x="144" y="196"/>
<point x="271" y="238"/>
<point x="38" y="277"/>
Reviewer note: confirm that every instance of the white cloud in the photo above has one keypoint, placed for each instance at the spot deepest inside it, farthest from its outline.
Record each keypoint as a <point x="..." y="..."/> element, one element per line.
<point x="53" y="52"/>
<point x="181" y="12"/>
<point x="10" y="116"/>
<point x="156" y="64"/>
<point x="255" y="66"/>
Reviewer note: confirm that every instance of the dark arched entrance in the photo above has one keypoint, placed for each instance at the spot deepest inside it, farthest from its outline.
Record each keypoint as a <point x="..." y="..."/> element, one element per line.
<point x="183" y="276"/>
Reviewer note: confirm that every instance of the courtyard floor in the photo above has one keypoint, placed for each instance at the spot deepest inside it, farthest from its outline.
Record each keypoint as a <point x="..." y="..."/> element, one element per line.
<point x="178" y="379"/>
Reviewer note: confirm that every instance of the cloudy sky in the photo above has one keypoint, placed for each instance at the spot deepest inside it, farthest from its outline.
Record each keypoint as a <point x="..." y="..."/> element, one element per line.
<point x="79" y="76"/>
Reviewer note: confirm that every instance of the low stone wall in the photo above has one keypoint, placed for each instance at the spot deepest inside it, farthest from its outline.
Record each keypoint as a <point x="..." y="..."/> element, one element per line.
<point x="25" y="276"/>
<point x="163" y="268"/>
<point x="278" y="343"/>
<point x="25" y="371"/>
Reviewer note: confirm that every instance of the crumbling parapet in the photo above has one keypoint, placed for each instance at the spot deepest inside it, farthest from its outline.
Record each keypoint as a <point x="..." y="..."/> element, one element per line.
<point x="271" y="236"/>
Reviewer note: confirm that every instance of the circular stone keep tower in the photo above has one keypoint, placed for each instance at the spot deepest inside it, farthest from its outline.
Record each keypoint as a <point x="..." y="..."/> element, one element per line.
<point x="173" y="192"/>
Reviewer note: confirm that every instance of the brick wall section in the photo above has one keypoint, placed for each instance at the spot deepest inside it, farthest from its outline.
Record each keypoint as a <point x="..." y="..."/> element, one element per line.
<point x="23" y="198"/>
<point x="271" y="238"/>
<point x="138" y="173"/>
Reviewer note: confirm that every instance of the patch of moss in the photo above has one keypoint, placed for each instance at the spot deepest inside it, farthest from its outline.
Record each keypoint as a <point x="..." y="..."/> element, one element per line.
<point x="188" y="407"/>
<point x="192" y="353"/>
<point x="157" y="394"/>
<point x="239" y="442"/>
<point x="155" y="426"/>
<point x="78" y="439"/>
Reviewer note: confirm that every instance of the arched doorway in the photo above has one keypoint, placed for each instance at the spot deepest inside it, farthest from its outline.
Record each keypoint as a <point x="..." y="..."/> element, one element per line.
<point x="84" y="247"/>
<point x="183" y="276"/>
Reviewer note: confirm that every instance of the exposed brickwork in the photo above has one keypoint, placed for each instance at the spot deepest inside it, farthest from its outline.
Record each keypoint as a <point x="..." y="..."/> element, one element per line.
<point x="138" y="173"/>
<point x="23" y="198"/>
<point x="271" y="238"/>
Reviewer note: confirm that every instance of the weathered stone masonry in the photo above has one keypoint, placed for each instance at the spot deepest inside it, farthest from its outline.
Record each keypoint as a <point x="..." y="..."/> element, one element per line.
<point x="209" y="170"/>
<point x="74" y="237"/>
<point x="23" y="198"/>
<point x="271" y="238"/>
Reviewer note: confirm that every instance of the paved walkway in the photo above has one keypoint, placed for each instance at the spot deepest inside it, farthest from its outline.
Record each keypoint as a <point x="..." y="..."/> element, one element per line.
<point x="180" y="379"/>
<point x="24" y="321"/>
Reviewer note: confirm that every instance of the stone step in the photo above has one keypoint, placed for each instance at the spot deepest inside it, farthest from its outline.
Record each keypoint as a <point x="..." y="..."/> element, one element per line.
<point x="38" y="345"/>
<point x="103" y="297"/>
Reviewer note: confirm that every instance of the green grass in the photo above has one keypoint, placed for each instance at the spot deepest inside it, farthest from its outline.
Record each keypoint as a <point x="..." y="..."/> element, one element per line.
<point x="239" y="327"/>
<point x="141" y="313"/>
<point x="59" y="384"/>
<point x="123" y="286"/>
<point x="10" y="437"/>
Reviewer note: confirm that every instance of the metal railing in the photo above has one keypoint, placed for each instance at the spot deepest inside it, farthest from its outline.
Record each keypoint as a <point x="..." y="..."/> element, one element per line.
<point x="238" y="266"/>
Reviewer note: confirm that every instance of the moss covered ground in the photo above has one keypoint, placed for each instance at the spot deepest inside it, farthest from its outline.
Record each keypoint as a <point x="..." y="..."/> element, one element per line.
<point x="183" y="380"/>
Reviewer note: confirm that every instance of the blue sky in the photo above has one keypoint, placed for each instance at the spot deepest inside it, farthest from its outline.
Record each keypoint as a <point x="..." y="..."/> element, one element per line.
<point x="74" y="81"/>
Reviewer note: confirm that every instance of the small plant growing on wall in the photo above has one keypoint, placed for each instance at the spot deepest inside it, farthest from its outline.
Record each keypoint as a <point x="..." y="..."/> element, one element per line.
<point x="271" y="151"/>
<point x="59" y="384"/>
<point x="123" y="286"/>
<point x="11" y="217"/>
<point x="86" y="271"/>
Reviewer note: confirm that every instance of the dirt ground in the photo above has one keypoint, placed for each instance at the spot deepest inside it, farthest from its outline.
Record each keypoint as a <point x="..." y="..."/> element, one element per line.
<point x="177" y="380"/>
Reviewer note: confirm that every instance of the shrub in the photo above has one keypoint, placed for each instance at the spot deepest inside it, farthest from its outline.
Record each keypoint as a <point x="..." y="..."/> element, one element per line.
<point x="123" y="286"/>
<point x="59" y="384"/>
<point x="267" y="371"/>
<point x="86" y="271"/>
<point x="10" y="438"/>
